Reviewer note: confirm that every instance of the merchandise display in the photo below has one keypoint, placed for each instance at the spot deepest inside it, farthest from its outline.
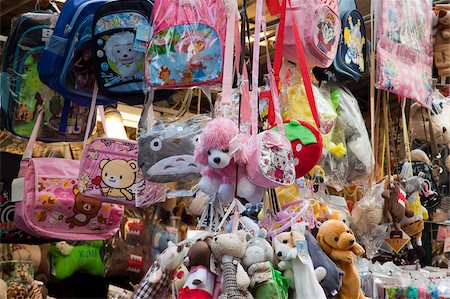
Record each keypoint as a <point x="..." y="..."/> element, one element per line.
<point x="213" y="149"/>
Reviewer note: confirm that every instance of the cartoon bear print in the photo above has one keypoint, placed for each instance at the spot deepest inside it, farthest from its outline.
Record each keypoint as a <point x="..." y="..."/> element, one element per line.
<point x="84" y="209"/>
<point x="119" y="176"/>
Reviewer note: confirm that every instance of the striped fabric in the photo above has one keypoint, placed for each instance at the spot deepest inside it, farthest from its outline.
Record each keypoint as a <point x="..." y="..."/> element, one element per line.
<point x="147" y="290"/>
<point x="229" y="288"/>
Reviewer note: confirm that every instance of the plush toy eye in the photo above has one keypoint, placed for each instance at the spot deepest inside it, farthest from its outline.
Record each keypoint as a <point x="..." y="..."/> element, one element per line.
<point x="120" y="177"/>
<point x="156" y="144"/>
<point x="336" y="239"/>
<point x="348" y="232"/>
<point x="285" y="241"/>
<point x="226" y="150"/>
<point x="196" y="140"/>
<point x="209" y="153"/>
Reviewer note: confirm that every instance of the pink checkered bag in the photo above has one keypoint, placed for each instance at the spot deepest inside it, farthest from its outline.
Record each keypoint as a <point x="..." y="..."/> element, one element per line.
<point x="109" y="172"/>
<point x="404" y="49"/>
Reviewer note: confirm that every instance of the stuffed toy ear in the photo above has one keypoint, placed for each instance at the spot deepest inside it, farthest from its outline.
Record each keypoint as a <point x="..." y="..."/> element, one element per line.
<point x="296" y="236"/>
<point x="200" y="155"/>
<point x="238" y="146"/>
<point x="325" y="247"/>
<point x="155" y="276"/>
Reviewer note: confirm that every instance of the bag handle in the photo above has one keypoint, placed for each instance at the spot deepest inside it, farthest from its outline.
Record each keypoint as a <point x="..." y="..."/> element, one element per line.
<point x="37" y="125"/>
<point x="301" y="59"/>
<point x="260" y="23"/>
<point x="91" y="114"/>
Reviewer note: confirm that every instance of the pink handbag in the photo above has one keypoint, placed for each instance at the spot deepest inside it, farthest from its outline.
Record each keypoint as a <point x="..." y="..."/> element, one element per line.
<point x="271" y="162"/>
<point x="404" y="49"/>
<point x="52" y="205"/>
<point x="320" y="26"/>
<point x="109" y="172"/>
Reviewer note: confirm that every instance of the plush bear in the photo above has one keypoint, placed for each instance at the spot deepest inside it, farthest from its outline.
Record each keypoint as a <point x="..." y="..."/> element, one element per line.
<point x="155" y="283"/>
<point x="333" y="279"/>
<point x="367" y="213"/>
<point x="229" y="249"/>
<point x="395" y="202"/>
<point x="38" y="254"/>
<point x="339" y="243"/>
<point x="292" y="251"/>
<point x="258" y="260"/>
<point x="224" y="153"/>
<point x="3" y="289"/>
<point x="442" y="41"/>
<point x="201" y="281"/>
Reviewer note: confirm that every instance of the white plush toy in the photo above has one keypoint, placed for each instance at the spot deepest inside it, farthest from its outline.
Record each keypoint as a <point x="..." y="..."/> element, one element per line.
<point x="291" y="249"/>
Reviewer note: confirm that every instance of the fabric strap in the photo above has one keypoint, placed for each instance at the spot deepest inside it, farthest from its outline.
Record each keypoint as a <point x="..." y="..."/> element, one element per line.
<point x="32" y="141"/>
<point x="301" y="59"/>
<point x="260" y="18"/>
<point x="229" y="49"/>
<point x="91" y="114"/>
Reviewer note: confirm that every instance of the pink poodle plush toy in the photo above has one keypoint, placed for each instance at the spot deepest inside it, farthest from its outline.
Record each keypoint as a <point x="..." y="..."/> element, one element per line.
<point x="220" y="149"/>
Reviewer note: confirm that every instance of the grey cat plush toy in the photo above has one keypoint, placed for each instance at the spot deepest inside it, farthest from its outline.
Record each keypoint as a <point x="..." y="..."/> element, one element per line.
<point x="332" y="282"/>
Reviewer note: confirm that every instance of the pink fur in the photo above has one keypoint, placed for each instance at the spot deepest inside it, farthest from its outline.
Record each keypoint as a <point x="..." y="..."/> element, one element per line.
<point x="220" y="133"/>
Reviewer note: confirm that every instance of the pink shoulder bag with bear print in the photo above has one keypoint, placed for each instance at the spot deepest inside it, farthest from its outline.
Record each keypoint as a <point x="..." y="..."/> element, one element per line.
<point x="53" y="207"/>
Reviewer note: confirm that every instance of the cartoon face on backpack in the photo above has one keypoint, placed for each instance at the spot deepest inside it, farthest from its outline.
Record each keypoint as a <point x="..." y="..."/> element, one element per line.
<point x="121" y="57"/>
<point x="326" y="35"/>
<point x="355" y="43"/>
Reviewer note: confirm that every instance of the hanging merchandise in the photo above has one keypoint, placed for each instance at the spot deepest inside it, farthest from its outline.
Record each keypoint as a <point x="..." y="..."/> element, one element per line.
<point x="442" y="40"/>
<point x="66" y="64"/>
<point x="319" y="25"/>
<point x="50" y="204"/>
<point x="404" y="50"/>
<point x="166" y="150"/>
<point x="351" y="54"/>
<point x="223" y="152"/>
<point x="121" y="30"/>
<point x="109" y="172"/>
<point x="271" y="162"/>
<point x="186" y="48"/>
<point x="22" y="91"/>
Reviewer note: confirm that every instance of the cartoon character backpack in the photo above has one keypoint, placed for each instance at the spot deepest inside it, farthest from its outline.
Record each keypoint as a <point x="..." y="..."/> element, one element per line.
<point x="67" y="64"/>
<point x="119" y="40"/>
<point x="22" y="91"/>
<point x="350" y="58"/>
<point x="187" y="45"/>
<point x="319" y="25"/>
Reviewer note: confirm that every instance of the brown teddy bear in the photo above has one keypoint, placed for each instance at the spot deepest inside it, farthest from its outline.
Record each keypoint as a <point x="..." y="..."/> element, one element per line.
<point x="339" y="243"/>
<point x="442" y="41"/>
<point x="395" y="203"/>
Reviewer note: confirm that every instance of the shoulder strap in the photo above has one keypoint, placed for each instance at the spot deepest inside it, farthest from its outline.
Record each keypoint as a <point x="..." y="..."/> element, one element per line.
<point x="301" y="59"/>
<point x="37" y="125"/>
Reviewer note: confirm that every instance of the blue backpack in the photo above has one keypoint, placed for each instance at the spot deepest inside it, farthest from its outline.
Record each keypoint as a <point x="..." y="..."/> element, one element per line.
<point x="22" y="92"/>
<point x="350" y="58"/>
<point x="66" y="64"/>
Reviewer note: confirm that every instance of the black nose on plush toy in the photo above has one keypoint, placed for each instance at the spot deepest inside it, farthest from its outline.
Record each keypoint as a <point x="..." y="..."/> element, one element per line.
<point x="352" y="241"/>
<point x="217" y="160"/>
<point x="279" y="253"/>
<point x="196" y="282"/>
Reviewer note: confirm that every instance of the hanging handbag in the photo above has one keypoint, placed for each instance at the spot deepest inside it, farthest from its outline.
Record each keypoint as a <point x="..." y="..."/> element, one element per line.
<point x="50" y="203"/>
<point x="166" y="150"/>
<point x="109" y="172"/>
<point x="271" y="162"/>
<point x="306" y="140"/>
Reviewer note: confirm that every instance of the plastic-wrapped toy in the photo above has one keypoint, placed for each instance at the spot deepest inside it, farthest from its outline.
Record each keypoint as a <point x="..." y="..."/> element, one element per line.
<point x="367" y="213"/>
<point x="265" y="282"/>
<point x="291" y="249"/>
<point x="221" y="149"/>
<point x="229" y="249"/>
<point x="395" y="205"/>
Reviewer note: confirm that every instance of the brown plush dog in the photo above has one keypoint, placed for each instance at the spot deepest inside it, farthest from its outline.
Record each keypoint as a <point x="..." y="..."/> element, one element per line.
<point x="338" y="241"/>
<point x="395" y="202"/>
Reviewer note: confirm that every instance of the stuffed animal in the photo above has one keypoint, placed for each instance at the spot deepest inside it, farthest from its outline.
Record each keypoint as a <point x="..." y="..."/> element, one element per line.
<point x="229" y="249"/>
<point x="258" y="262"/>
<point x="178" y="278"/>
<point x="221" y="149"/>
<point x="3" y="289"/>
<point x="38" y="254"/>
<point x="69" y="259"/>
<point x="338" y="242"/>
<point x="292" y="251"/>
<point x="333" y="279"/>
<point x="367" y="213"/>
<point x="413" y="226"/>
<point x="201" y="281"/>
<point x="155" y="283"/>
<point x="442" y="41"/>
<point x="395" y="202"/>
